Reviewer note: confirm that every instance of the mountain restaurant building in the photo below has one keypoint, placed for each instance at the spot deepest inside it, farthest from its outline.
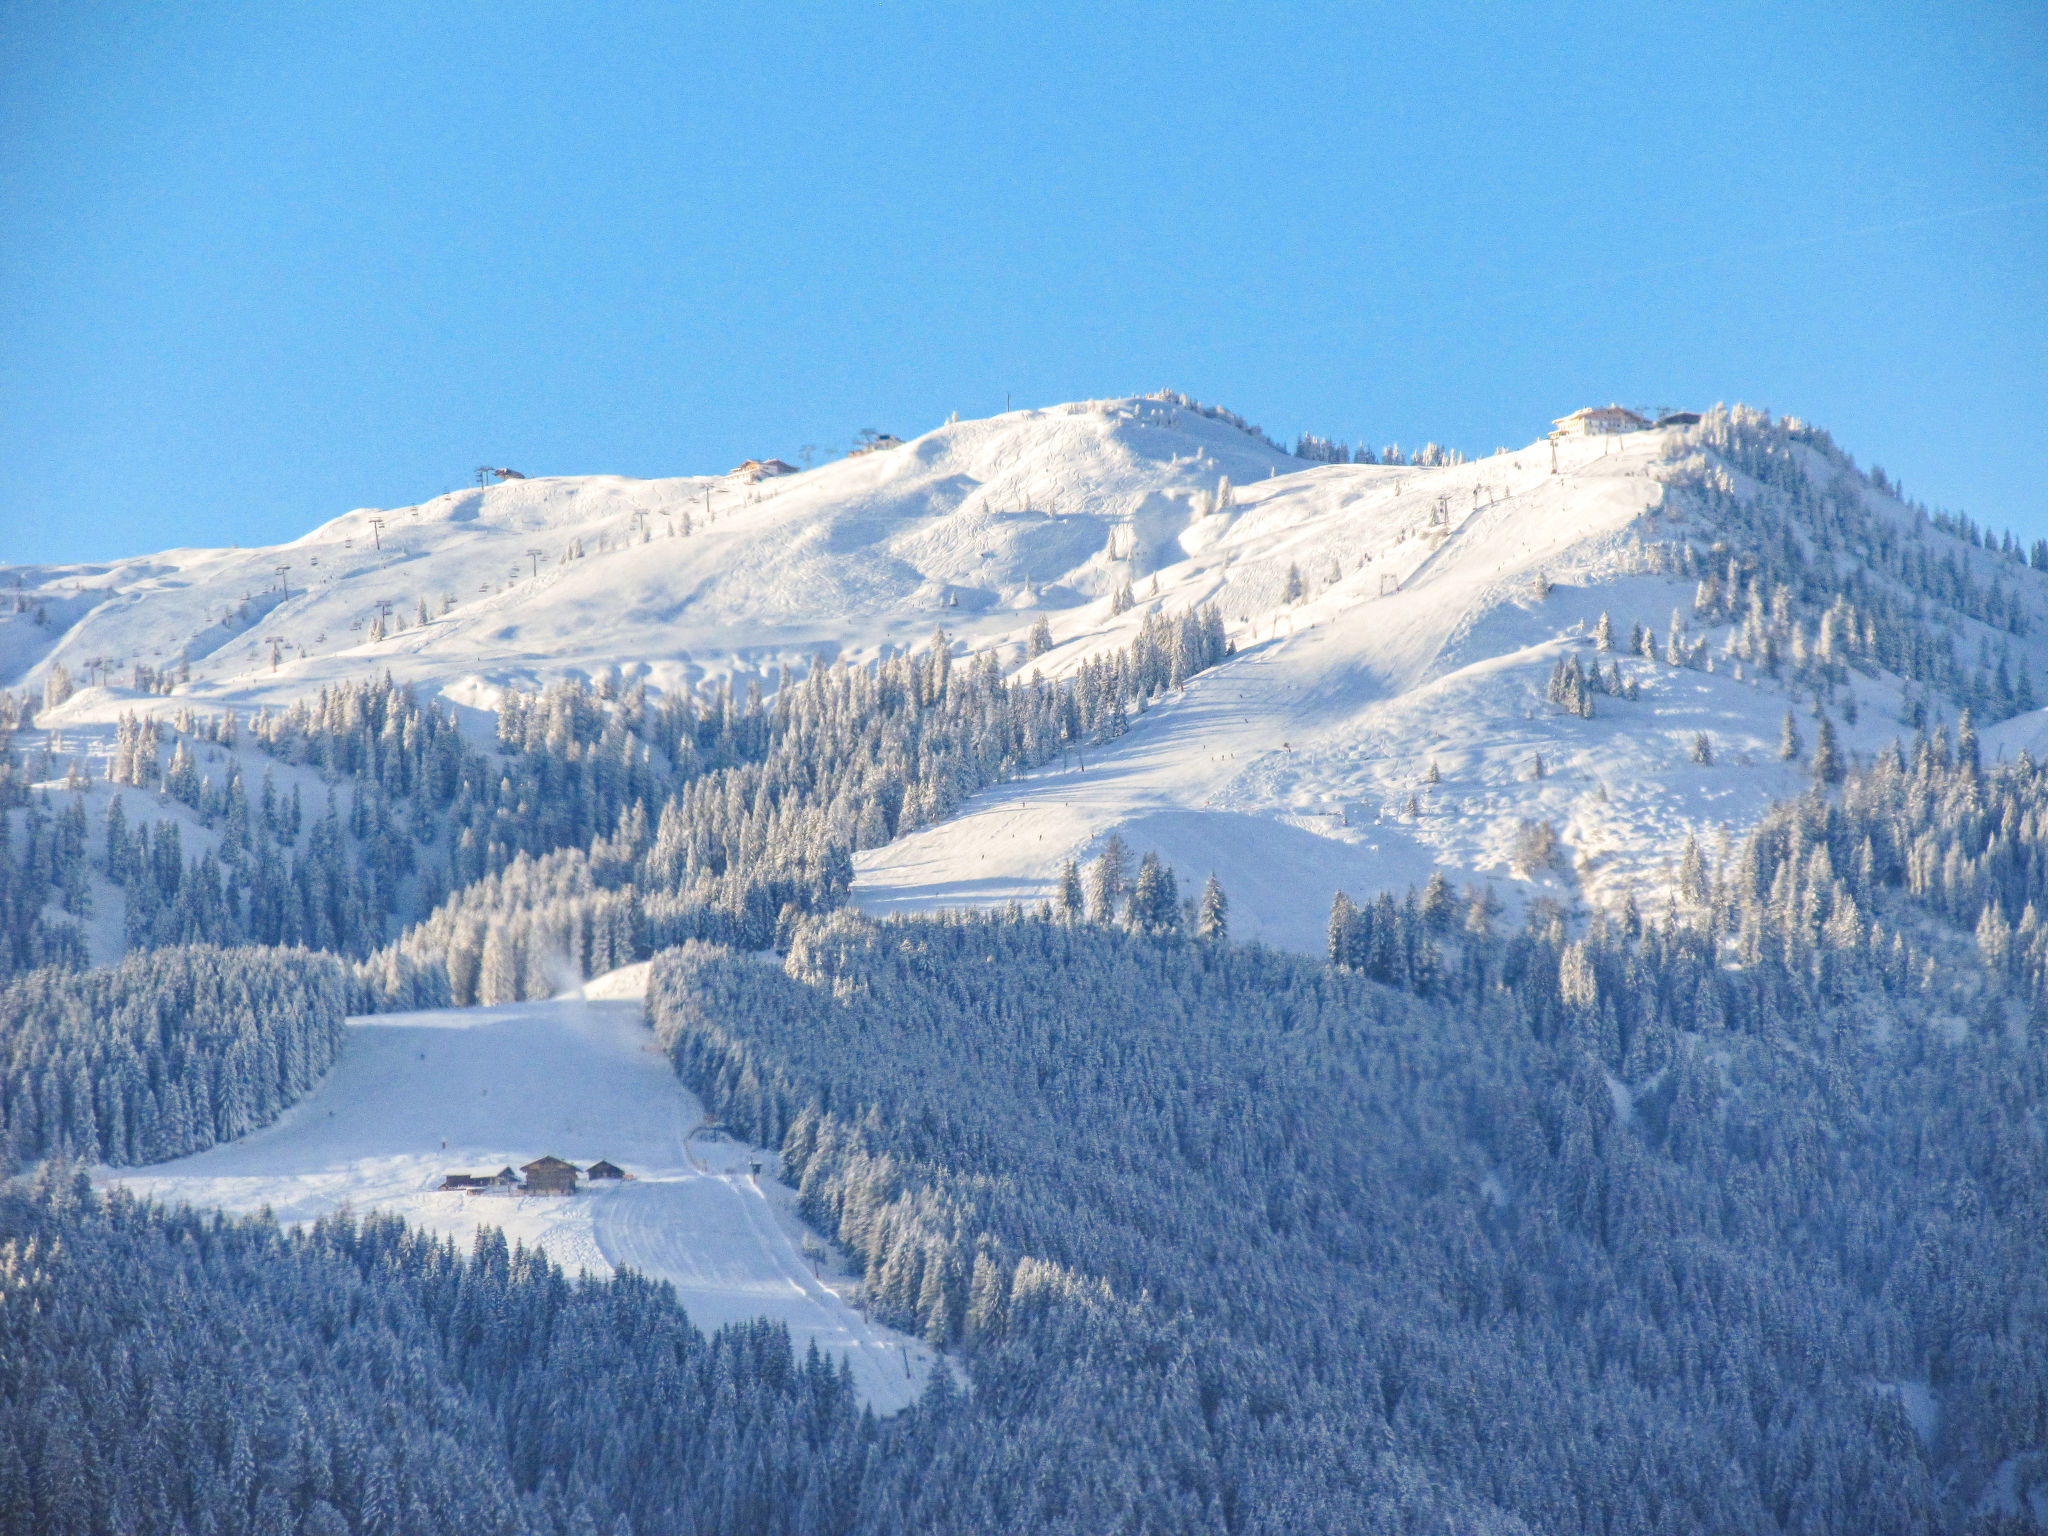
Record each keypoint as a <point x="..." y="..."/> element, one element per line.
<point x="1598" y="421"/>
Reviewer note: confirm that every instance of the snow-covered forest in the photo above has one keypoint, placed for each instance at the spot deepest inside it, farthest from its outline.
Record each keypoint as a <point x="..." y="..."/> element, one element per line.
<point x="164" y="1054"/>
<point x="1581" y="1234"/>
<point x="1650" y="1138"/>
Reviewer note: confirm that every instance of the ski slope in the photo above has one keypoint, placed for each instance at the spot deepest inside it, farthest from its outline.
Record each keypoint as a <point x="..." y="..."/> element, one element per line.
<point x="1289" y="770"/>
<point x="416" y="1096"/>
<point x="1383" y="722"/>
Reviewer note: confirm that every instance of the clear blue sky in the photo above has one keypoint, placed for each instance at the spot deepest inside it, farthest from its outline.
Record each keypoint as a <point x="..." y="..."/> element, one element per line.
<point x="261" y="264"/>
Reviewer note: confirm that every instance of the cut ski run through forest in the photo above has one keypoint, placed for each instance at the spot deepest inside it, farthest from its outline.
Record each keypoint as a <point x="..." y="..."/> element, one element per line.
<point x="414" y="1096"/>
<point x="1695" y="1196"/>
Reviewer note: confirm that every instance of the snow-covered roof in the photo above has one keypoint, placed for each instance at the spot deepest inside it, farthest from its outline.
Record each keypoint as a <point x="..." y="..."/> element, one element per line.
<point x="762" y="469"/>
<point x="1601" y="413"/>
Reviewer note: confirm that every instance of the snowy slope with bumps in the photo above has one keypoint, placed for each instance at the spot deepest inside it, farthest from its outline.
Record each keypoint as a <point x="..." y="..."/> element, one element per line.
<point x="1389" y="710"/>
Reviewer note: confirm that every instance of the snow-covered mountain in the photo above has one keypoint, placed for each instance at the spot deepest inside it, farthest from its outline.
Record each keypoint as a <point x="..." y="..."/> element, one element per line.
<point x="1421" y="679"/>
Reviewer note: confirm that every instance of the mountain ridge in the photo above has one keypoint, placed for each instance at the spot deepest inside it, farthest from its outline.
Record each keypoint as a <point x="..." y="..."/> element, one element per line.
<point x="1421" y="678"/>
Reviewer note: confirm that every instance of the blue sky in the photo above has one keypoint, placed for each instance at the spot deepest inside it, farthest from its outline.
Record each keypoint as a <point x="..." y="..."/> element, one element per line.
<point x="264" y="264"/>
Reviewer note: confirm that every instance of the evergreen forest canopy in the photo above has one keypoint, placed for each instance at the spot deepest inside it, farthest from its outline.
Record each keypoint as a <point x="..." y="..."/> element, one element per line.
<point x="1722" y="1214"/>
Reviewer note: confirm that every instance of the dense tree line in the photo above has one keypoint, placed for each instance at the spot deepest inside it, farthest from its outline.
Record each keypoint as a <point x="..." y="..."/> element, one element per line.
<point x="603" y="822"/>
<point x="169" y="1052"/>
<point x="42" y="861"/>
<point x="168" y="1372"/>
<point x="1813" y="579"/>
<point x="766" y="802"/>
<point x="1569" y="1234"/>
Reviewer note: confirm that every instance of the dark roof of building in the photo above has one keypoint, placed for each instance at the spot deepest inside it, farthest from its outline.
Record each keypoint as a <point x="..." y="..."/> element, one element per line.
<point x="604" y="1170"/>
<point x="549" y="1164"/>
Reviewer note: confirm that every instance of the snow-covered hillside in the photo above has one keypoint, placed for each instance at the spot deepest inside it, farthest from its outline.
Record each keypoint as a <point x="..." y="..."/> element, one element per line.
<point x="416" y="1096"/>
<point x="1390" y="709"/>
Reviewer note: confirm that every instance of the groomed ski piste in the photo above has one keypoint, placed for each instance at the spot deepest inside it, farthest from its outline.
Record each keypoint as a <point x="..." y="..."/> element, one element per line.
<point x="1384" y="722"/>
<point x="416" y="1096"/>
<point x="1383" y="717"/>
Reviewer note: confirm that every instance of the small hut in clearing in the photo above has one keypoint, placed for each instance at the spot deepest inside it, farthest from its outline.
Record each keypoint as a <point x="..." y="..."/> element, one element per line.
<point x="550" y="1176"/>
<point x="603" y="1170"/>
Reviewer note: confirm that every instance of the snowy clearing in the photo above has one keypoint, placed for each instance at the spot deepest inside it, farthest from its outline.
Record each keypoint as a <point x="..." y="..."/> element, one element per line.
<point x="418" y="1095"/>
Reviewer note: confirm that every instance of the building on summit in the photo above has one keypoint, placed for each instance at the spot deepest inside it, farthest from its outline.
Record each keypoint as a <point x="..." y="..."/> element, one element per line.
<point x="1598" y="421"/>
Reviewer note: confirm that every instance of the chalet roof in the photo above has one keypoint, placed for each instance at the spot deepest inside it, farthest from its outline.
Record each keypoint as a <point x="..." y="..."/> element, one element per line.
<point x="762" y="469"/>
<point x="505" y="1173"/>
<point x="548" y="1164"/>
<point x="1601" y="413"/>
<point x="604" y="1170"/>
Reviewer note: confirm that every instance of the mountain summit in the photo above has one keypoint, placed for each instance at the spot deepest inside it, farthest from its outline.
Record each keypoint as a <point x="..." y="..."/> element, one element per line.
<point x="1553" y="667"/>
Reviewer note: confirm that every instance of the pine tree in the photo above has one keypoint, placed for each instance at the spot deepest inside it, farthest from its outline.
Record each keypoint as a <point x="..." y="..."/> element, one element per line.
<point x="1789" y="744"/>
<point x="1343" y="919"/>
<point x="1827" y="760"/>
<point x="1212" y="921"/>
<point x="1603" y="636"/>
<point x="1107" y="878"/>
<point x="1154" y="903"/>
<point x="1296" y="589"/>
<point x="1693" y="884"/>
<point x="1068" y="900"/>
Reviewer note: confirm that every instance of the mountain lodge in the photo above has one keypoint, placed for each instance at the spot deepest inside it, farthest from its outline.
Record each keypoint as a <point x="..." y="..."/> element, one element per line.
<point x="1597" y="421"/>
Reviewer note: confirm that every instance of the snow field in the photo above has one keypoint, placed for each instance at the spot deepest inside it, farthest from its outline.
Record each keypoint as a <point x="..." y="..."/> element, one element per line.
<point x="1418" y="644"/>
<point x="417" y="1096"/>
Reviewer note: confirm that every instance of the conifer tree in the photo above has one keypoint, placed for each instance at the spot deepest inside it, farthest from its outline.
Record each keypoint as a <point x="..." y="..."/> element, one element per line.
<point x="1789" y="744"/>
<point x="1212" y="919"/>
<point x="1827" y="758"/>
<point x="1068" y="900"/>
<point x="1107" y="880"/>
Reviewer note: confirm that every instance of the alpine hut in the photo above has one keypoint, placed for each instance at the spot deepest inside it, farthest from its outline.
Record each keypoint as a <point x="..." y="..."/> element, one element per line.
<point x="1598" y="421"/>
<point x="550" y="1176"/>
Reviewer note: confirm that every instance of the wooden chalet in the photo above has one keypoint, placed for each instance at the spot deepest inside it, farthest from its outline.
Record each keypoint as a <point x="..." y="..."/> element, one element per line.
<point x="603" y="1170"/>
<point x="1679" y="419"/>
<point x="550" y="1176"/>
<point x="761" y="469"/>
<point x="483" y="1183"/>
<point x="1598" y="421"/>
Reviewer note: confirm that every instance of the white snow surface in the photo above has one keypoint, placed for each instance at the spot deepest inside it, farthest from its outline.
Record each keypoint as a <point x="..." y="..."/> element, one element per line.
<point x="415" y="1096"/>
<point x="1288" y="771"/>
